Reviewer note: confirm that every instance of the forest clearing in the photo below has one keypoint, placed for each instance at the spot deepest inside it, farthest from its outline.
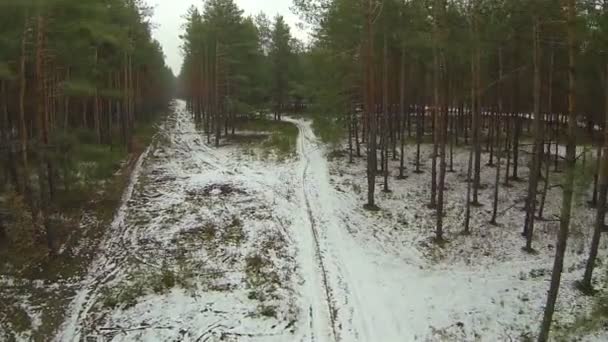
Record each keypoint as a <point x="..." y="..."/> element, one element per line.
<point x="420" y="170"/>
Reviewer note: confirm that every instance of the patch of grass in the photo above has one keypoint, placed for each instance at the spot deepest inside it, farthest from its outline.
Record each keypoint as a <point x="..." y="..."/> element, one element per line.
<point x="145" y="133"/>
<point x="328" y="128"/>
<point x="127" y="294"/>
<point x="234" y="232"/>
<point x="254" y="270"/>
<point x="595" y="320"/>
<point x="268" y="311"/>
<point x="282" y="136"/>
<point x="208" y="231"/>
<point x="20" y="320"/>
<point x="285" y="145"/>
<point x="336" y="154"/>
<point x="167" y="279"/>
<point x="49" y="299"/>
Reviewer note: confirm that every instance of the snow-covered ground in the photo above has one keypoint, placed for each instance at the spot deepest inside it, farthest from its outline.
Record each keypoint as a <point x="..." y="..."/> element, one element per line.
<point x="200" y="248"/>
<point x="215" y="245"/>
<point x="478" y="287"/>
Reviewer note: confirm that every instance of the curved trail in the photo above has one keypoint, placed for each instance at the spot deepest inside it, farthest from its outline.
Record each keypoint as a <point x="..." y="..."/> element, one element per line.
<point x="358" y="289"/>
<point x="339" y="271"/>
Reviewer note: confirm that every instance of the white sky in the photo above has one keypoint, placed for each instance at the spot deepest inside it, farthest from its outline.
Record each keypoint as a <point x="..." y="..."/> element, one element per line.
<point x="168" y="17"/>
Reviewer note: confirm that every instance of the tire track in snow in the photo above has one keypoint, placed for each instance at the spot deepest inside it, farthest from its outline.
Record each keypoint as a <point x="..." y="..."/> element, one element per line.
<point x="104" y="269"/>
<point x="353" y="280"/>
<point x="313" y="226"/>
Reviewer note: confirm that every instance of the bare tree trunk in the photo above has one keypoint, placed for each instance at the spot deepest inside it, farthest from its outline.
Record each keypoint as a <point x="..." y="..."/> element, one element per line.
<point x="451" y="136"/>
<point x="467" y="214"/>
<point x="442" y="149"/>
<point x="6" y="135"/>
<point x="475" y="98"/>
<point x="596" y="176"/>
<point x="508" y="125"/>
<point x="436" y="128"/>
<point x="497" y="180"/>
<point x="357" y="141"/>
<point x="538" y="143"/>
<point x="498" y="138"/>
<point x="442" y="108"/>
<point x="568" y="185"/>
<point x="96" y="121"/>
<point x="23" y="136"/>
<point x="350" y="134"/>
<point x="419" y="128"/>
<point x="370" y="108"/>
<point x="404" y="114"/>
<point x="218" y="127"/>
<point x="516" y="136"/>
<point x="586" y="284"/>
<point x="385" y="115"/>
<point x="45" y="169"/>
<point x="548" y="117"/>
<point x="492" y="127"/>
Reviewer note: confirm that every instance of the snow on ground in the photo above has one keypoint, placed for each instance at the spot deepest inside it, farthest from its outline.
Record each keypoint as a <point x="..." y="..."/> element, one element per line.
<point x="214" y="244"/>
<point x="478" y="287"/>
<point x="199" y="249"/>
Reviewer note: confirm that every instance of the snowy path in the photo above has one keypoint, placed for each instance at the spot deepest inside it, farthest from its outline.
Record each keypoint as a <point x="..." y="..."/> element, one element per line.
<point x="359" y="304"/>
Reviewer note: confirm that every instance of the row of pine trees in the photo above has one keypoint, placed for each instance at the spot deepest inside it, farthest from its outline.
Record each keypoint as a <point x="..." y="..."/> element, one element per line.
<point x="491" y="74"/>
<point x="234" y="64"/>
<point x="71" y="73"/>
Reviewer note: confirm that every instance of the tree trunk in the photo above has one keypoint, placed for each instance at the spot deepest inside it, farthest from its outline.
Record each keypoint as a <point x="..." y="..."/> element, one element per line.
<point x="568" y="185"/>
<point x="217" y="97"/>
<point x="596" y="176"/>
<point x="357" y="141"/>
<point x="548" y="118"/>
<point x="538" y="143"/>
<point x="586" y="283"/>
<point x="350" y="137"/>
<point x="498" y="138"/>
<point x="467" y="214"/>
<point x="385" y="115"/>
<point x="508" y="125"/>
<point x="475" y="98"/>
<point x="419" y="128"/>
<point x="370" y="108"/>
<point x="404" y="115"/>
<point x="45" y="169"/>
<point x="435" y="129"/>
<point x="23" y="136"/>
<point x="516" y="136"/>
<point x="497" y="179"/>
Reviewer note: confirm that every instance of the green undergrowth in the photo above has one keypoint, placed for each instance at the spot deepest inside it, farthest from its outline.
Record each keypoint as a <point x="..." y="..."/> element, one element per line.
<point x="279" y="137"/>
<point x="328" y="129"/>
<point x="90" y="179"/>
<point x="594" y="320"/>
<point x="142" y="283"/>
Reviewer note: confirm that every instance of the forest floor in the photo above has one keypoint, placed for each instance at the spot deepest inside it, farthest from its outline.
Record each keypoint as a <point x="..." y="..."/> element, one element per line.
<point x="35" y="288"/>
<point x="269" y="242"/>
